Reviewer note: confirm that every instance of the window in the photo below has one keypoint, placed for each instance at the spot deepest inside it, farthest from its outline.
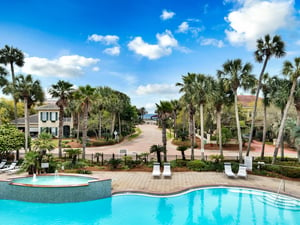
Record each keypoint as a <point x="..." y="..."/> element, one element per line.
<point x="54" y="131"/>
<point x="53" y="116"/>
<point x="44" y="116"/>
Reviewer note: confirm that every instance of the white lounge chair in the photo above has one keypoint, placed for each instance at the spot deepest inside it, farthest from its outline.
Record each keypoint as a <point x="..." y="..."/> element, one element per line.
<point x="242" y="171"/>
<point x="228" y="171"/>
<point x="13" y="171"/>
<point x="11" y="167"/>
<point x="156" y="170"/>
<point x="2" y="164"/>
<point x="167" y="170"/>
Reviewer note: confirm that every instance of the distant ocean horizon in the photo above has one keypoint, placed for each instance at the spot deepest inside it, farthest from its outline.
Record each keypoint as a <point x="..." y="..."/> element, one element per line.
<point x="148" y="116"/>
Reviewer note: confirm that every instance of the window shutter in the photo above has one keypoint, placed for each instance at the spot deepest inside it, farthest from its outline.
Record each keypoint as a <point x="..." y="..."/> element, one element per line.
<point x="46" y="116"/>
<point x="56" y="116"/>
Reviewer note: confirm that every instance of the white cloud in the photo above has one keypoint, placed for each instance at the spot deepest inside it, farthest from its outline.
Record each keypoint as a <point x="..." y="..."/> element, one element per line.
<point x="107" y="39"/>
<point x="158" y="89"/>
<point x="256" y="18"/>
<point x="183" y="27"/>
<point x="115" y="51"/>
<point x="166" y="42"/>
<point x="167" y="15"/>
<point x="96" y="69"/>
<point x="213" y="42"/>
<point x="64" y="66"/>
<point x="298" y="42"/>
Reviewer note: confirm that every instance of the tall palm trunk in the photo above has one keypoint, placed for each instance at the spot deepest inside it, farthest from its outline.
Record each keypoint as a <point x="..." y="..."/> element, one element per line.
<point x="84" y="132"/>
<point x="175" y="126"/>
<point x="113" y="120"/>
<point x="120" y="125"/>
<point x="14" y="90"/>
<point x="238" y="127"/>
<point x="26" y="124"/>
<point x="202" y="131"/>
<point x="264" y="134"/>
<point x="164" y="138"/>
<point x="219" y="132"/>
<point x="255" y="104"/>
<point x="298" y="124"/>
<point x="283" y="120"/>
<point x="100" y="125"/>
<point x="192" y="133"/>
<point x="78" y="125"/>
<point x="60" y="130"/>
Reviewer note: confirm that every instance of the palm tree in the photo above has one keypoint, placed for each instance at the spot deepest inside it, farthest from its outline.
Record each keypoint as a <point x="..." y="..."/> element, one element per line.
<point x="297" y="106"/>
<point x="237" y="75"/>
<point x="63" y="91"/>
<point x="86" y="95"/>
<point x="266" y="90"/>
<point x="102" y="101"/>
<point x="75" y="109"/>
<point x="3" y="80"/>
<point x="11" y="56"/>
<point x="201" y="88"/>
<point x="293" y="71"/>
<point x="265" y="50"/>
<point x="158" y="149"/>
<point x="142" y="112"/>
<point x="188" y="88"/>
<point x="30" y="92"/>
<point x="218" y="97"/>
<point x="176" y="107"/>
<point x="297" y="140"/>
<point x="164" y="111"/>
<point x="279" y="95"/>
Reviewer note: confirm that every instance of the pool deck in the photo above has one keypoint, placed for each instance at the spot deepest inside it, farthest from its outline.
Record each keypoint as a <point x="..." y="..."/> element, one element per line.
<point x="144" y="182"/>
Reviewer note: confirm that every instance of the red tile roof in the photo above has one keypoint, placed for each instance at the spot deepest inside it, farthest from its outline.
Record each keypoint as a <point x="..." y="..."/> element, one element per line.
<point x="247" y="100"/>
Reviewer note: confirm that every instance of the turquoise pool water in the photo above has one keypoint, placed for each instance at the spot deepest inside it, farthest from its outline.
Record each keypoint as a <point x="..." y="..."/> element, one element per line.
<point x="53" y="180"/>
<point x="204" y="206"/>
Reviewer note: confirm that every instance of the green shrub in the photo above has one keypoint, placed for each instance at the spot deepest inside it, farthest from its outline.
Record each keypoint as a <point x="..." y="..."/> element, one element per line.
<point x="216" y="158"/>
<point x="128" y="162"/>
<point x="196" y="165"/>
<point x="213" y="138"/>
<point x="292" y="172"/>
<point x="83" y="171"/>
<point x="114" y="163"/>
<point x="71" y="165"/>
<point x="179" y="163"/>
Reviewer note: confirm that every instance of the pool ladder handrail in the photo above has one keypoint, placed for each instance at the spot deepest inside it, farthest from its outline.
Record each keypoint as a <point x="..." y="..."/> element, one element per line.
<point x="281" y="184"/>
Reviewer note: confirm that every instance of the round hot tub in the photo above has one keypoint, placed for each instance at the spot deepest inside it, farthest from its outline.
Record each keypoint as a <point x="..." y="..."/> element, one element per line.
<point x="53" y="181"/>
<point x="55" y="188"/>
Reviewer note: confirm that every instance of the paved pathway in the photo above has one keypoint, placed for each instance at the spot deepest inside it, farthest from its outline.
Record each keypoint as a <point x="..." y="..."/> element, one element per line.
<point x="151" y="135"/>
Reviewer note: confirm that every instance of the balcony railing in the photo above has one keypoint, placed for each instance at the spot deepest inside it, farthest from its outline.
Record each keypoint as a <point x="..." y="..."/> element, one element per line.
<point x="67" y="119"/>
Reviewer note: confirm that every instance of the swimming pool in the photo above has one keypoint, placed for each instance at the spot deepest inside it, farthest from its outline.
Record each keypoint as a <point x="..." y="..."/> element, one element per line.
<point x="218" y="205"/>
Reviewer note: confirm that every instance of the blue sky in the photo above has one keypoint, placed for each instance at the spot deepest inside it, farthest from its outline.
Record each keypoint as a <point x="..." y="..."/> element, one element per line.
<point x="143" y="47"/>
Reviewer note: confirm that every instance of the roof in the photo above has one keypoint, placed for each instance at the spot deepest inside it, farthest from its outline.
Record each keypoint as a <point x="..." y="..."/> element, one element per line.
<point x="51" y="106"/>
<point x="33" y="119"/>
<point x="247" y="100"/>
